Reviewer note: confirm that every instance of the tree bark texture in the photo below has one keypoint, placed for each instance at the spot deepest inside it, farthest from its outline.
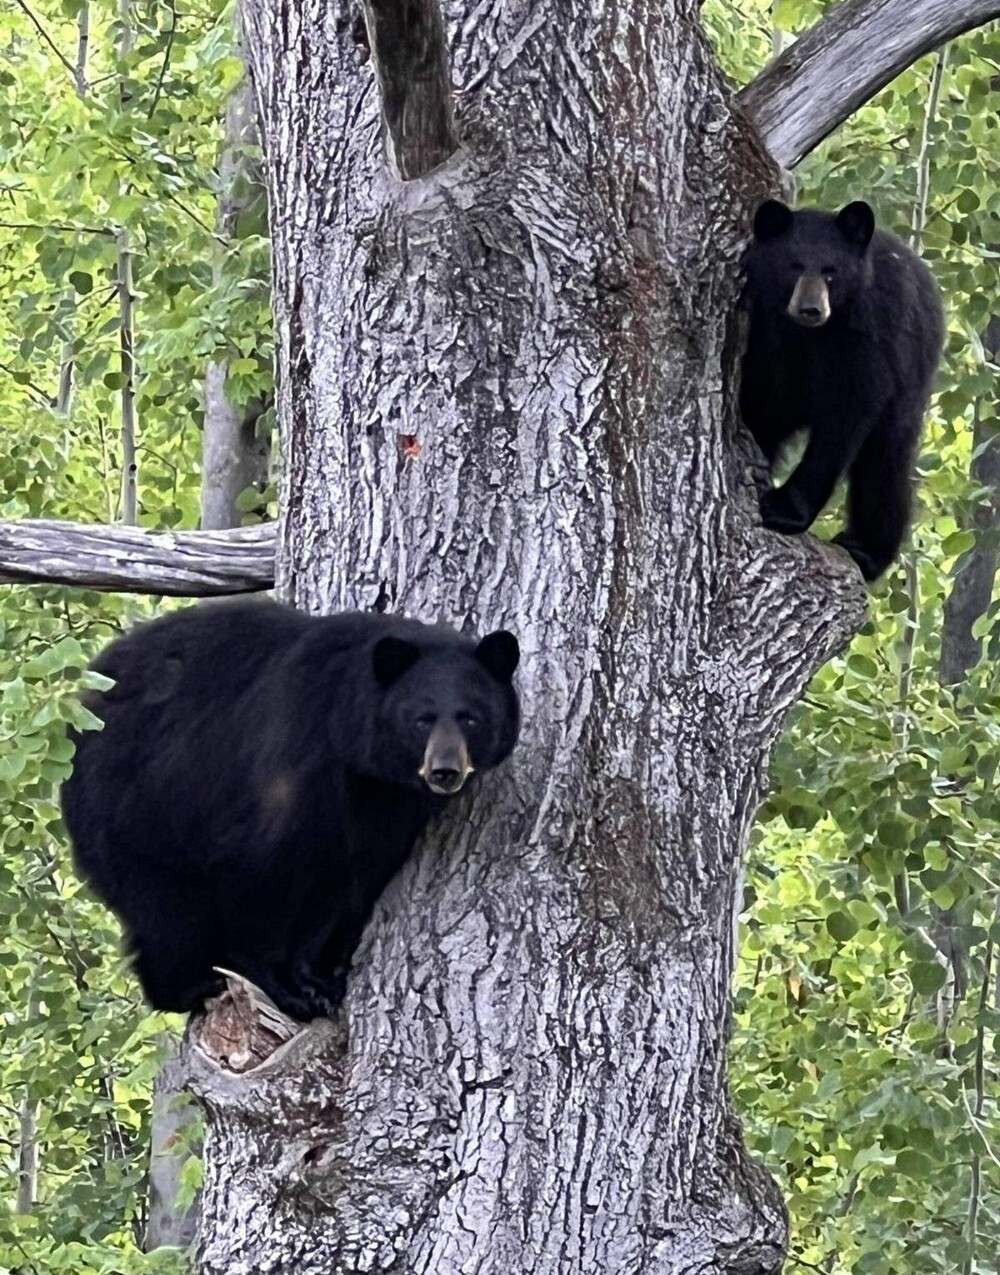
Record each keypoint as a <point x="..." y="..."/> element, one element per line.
<point x="507" y="397"/>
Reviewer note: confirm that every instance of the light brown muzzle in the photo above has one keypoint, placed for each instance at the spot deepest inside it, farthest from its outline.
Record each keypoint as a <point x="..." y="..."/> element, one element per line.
<point x="446" y="764"/>
<point x="810" y="303"/>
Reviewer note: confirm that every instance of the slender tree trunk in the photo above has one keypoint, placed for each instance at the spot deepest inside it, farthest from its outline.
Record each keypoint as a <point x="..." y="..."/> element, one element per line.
<point x="126" y="311"/>
<point x="234" y="457"/>
<point x="975" y="576"/>
<point x="167" y="1223"/>
<point x="27" y="1155"/>
<point x="507" y="397"/>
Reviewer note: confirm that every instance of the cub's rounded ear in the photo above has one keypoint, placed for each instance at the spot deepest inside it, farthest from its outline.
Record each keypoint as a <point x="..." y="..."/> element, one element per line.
<point x="391" y="658"/>
<point x="771" y="219"/>
<point x="856" y="223"/>
<point x="499" y="653"/>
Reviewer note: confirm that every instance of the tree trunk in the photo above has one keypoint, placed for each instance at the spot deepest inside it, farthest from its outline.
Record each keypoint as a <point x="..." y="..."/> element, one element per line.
<point x="233" y="456"/>
<point x="167" y="1223"/>
<point x="507" y="398"/>
<point x="972" y="587"/>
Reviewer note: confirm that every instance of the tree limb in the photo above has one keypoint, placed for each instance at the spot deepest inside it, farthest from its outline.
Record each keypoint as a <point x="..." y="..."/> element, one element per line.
<point x="844" y="60"/>
<point x="411" y="59"/>
<point x="184" y="564"/>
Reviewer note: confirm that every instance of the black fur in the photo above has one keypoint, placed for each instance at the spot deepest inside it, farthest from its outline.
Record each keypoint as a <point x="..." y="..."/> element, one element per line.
<point x="858" y="383"/>
<point x="257" y="784"/>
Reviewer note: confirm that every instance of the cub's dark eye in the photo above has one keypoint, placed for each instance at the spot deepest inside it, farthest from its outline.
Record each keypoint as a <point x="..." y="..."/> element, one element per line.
<point x="425" y="721"/>
<point x="797" y="266"/>
<point x="829" y="272"/>
<point x="467" y="720"/>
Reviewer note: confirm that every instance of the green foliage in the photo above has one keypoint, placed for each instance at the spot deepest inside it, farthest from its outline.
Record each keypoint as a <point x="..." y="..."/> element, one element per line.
<point x="865" y="1059"/>
<point x="88" y="149"/>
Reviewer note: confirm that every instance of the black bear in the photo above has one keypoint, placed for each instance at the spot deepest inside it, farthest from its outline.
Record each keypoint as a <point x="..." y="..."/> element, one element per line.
<point x="846" y="328"/>
<point x="261" y="775"/>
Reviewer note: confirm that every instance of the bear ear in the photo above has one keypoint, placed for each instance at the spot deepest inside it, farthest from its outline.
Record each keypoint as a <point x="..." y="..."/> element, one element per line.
<point x="499" y="653"/>
<point x="391" y="658"/>
<point x="771" y="219"/>
<point x="856" y="223"/>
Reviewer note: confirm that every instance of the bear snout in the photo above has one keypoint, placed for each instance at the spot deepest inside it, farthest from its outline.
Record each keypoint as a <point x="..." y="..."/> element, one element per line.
<point x="446" y="764"/>
<point x="810" y="303"/>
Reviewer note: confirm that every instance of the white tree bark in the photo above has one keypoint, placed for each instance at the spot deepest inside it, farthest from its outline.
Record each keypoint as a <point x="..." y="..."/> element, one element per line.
<point x="507" y="398"/>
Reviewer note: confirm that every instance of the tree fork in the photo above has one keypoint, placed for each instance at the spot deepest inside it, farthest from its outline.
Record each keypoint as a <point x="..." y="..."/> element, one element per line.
<point x="407" y="42"/>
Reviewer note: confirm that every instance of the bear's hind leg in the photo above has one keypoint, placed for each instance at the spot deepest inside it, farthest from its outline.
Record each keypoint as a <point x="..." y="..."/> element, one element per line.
<point x="173" y="941"/>
<point x="879" y="500"/>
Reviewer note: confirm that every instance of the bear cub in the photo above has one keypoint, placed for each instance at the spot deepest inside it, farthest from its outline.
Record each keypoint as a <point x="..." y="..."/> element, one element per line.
<point x="846" y="329"/>
<point x="260" y="777"/>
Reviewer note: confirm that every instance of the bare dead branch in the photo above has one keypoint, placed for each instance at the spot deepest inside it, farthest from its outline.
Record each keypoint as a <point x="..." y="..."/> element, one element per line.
<point x="184" y="564"/>
<point x="411" y="59"/>
<point x="844" y="60"/>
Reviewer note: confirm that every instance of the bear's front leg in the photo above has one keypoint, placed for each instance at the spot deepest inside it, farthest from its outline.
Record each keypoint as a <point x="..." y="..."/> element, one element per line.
<point x="795" y="506"/>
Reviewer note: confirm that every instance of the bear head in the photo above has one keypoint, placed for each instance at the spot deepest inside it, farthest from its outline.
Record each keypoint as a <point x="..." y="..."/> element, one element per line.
<point x="808" y="265"/>
<point x="445" y="710"/>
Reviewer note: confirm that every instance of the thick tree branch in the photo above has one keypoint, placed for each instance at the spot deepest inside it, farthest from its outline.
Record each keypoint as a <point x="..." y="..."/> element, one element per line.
<point x="184" y="564"/>
<point x="411" y="59"/>
<point x="844" y="60"/>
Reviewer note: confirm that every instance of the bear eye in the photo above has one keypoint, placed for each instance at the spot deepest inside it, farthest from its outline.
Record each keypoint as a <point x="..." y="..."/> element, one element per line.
<point x="829" y="271"/>
<point x="425" y="720"/>
<point x="797" y="266"/>
<point x="466" y="719"/>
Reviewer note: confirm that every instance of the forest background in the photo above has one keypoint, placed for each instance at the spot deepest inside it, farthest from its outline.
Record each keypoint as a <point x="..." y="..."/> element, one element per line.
<point x="866" y="1049"/>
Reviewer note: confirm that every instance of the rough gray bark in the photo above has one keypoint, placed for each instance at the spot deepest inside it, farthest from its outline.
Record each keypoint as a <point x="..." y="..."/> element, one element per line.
<point x="129" y="560"/>
<point x="975" y="576"/>
<point x="844" y="60"/>
<point x="233" y="456"/>
<point x="507" y="398"/>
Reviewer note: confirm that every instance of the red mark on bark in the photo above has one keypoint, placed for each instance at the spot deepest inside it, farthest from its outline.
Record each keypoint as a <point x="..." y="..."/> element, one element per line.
<point x="409" y="445"/>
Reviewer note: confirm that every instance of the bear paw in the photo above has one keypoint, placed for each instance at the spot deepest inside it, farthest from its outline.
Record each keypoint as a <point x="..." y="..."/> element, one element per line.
<point x="782" y="510"/>
<point x="868" y="565"/>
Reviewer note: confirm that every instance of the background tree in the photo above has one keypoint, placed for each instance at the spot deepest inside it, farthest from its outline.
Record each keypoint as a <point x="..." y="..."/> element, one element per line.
<point x="575" y="376"/>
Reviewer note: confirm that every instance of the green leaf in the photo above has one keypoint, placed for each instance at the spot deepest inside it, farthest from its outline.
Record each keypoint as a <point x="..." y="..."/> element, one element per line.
<point x="927" y="977"/>
<point x="841" y="926"/>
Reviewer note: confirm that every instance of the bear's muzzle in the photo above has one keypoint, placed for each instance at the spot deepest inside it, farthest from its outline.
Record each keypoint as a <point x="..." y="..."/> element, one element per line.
<point x="446" y="765"/>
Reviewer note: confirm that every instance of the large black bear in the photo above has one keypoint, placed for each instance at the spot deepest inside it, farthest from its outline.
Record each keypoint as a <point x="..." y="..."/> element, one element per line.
<point x="260" y="777"/>
<point x="845" y="335"/>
